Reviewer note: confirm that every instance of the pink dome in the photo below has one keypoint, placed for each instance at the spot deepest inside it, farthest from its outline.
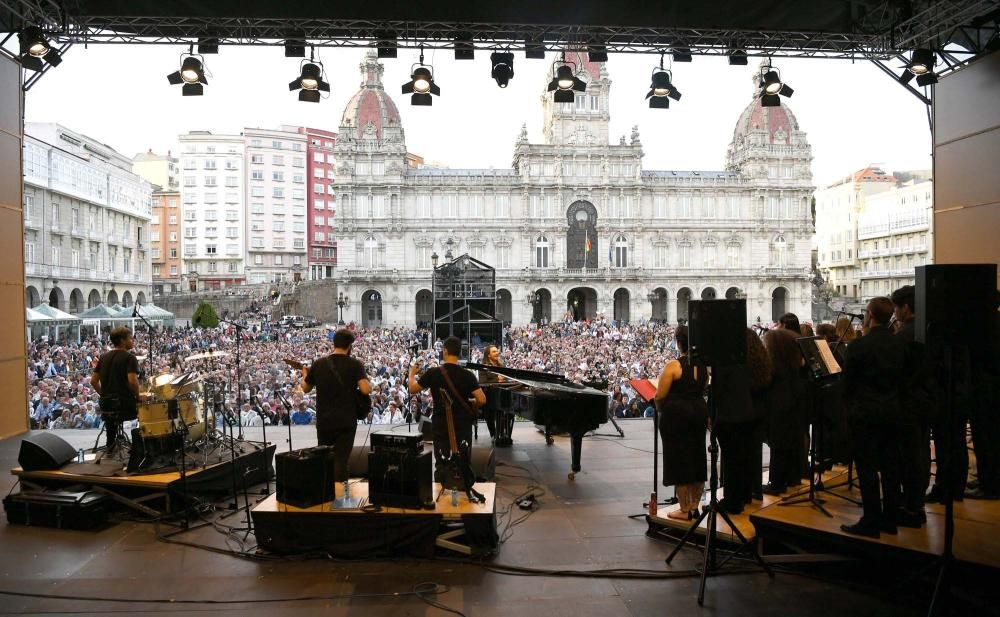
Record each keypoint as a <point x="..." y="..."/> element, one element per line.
<point x="370" y="110"/>
<point x="771" y="119"/>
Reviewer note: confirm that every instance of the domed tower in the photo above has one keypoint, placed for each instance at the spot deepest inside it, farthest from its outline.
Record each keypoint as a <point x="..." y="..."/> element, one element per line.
<point x="371" y="161"/>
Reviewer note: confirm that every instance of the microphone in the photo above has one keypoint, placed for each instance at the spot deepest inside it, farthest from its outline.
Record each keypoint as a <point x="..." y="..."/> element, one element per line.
<point x="854" y="315"/>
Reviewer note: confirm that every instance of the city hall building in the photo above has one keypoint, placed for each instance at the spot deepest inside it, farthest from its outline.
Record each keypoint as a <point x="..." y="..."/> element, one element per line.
<point x="576" y="227"/>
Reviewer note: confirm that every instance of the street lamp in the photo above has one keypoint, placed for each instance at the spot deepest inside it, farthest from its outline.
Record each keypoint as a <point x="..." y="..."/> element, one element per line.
<point x="434" y="259"/>
<point x="342" y="301"/>
<point x="448" y="254"/>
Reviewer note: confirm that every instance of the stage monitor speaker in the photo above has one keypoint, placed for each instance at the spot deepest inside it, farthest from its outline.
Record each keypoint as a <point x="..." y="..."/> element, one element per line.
<point x="44" y="452"/>
<point x="484" y="464"/>
<point x="399" y="479"/>
<point x="304" y="478"/>
<point x="955" y="303"/>
<point x="717" y="332"/>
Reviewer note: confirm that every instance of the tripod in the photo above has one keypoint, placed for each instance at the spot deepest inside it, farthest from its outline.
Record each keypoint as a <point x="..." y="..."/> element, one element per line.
<point x="712" y="510"/>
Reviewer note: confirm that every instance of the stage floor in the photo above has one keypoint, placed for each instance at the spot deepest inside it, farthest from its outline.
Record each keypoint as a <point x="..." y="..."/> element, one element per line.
<point x="580" y="525"/>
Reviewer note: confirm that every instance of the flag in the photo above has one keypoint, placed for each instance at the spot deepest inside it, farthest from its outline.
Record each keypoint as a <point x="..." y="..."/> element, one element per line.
<point x="586" y="244"/>
<point x="610" y="254"/>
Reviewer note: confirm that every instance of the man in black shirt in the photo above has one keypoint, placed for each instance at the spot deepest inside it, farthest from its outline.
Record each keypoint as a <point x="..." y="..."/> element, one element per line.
<point x="872" y="375"/>
<point x="337" y="377"/>
<point x="116" y="380"/>
<point x="465" y="402"/>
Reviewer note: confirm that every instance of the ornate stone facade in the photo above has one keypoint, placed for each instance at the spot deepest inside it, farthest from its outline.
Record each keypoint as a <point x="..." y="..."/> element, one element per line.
<point x="576" y="225"/>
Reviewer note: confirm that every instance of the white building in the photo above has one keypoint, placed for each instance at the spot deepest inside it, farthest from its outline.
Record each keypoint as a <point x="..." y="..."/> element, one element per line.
<point x="162" y="170"/>
<point x="656" y="238"/>
<point x="895" y="235"/>
<point x="85" y="222"/>
<point x="276" y="189"/>
<point x="213" y="209"/>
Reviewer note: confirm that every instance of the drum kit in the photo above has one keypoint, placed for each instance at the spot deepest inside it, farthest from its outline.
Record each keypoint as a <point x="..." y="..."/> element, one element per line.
<point x="177" y="412"/>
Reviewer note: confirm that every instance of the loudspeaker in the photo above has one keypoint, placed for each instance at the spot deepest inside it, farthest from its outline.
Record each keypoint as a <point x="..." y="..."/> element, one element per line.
<point x="717" y="332"/>
<point x="399" y="479"/>
<point x="304" y="478"/>
<point x="484" y="464"/>
<point x="44" y="452"/>
<point x="357" y="463"/>
<point x="955" y="303"/>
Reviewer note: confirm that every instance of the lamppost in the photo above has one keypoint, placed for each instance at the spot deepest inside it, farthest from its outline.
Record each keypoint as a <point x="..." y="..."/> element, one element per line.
<point x="653" y="297"/>
<point x="434" y="265"/>
<point x="448" y="255"/>
<point x="342" y="301"/>
<point x="534" y="299"/>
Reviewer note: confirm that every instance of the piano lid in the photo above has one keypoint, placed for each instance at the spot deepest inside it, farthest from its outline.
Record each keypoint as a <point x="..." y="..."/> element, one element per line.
<point x="540" y="381"/>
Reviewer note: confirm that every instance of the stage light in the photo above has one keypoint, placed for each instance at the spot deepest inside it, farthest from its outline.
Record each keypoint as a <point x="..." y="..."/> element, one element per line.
<point x="597" y="53"/>
<point x="34" y="48"/>
<point x="737" y="57"/>
<point x="191" y="74"/>
<point x="310" y="81"/>
<point x="921" y="65"/>
<point x="661" y="90"/>
<point x="681" y="54"/>
<point x="421" y="84"/>
<point x="771" y="87"/>
<point x="564" y="83"/>
<point x="503" y="67"/>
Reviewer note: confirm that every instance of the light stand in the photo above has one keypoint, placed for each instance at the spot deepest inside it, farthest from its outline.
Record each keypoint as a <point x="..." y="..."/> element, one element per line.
<point x="712" y="510"/>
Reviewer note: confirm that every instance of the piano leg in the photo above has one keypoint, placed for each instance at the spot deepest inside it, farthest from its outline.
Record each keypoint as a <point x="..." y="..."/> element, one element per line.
<point x="575" y="444"/>
<point x="548" y="435"/>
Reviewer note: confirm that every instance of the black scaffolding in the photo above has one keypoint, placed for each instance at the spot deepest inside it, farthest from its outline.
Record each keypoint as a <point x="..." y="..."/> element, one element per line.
<point x="465" y="302"/>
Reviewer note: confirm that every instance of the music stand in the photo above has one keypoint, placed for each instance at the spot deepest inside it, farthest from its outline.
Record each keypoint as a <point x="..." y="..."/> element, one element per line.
<point x="647" y="392"/>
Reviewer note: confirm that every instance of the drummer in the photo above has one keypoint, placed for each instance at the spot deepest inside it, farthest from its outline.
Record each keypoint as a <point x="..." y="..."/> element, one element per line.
<point x="116" y="380"/>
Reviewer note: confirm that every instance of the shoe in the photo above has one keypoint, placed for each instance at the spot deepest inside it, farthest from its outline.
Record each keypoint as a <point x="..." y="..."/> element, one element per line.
<point x="935" y="495"/>
<point x="861" y="529"/>
<point x="979" y="493"/>
<point x="973" y="484"/>
<point x="757" y="495"/>
<point x="772" y="489"/>
<point x="677" y="515"/>
<point x="694" y="514"/>
<point x="913" y="520"/>
<point x="730" y="506"/>
<point x="889" y="528"/>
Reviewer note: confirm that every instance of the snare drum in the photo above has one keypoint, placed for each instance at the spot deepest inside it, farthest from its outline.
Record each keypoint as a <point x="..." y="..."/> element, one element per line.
<point x="154" y="416"/>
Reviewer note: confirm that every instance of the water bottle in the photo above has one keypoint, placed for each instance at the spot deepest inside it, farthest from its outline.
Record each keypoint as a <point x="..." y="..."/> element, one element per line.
<point x="79" y="456"/>
<point x="454" y="498"/>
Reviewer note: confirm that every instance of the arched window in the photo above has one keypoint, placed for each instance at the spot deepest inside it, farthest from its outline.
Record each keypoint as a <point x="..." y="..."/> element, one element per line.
<point x="779" y="252"/>
<point x="541" y="252"/>
<point x="620" y="252"/>
<point x="370" y="259"/>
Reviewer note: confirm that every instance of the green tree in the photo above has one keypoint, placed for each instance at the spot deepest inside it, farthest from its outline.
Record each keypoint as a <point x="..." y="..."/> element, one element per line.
<point x="204" y="316"/>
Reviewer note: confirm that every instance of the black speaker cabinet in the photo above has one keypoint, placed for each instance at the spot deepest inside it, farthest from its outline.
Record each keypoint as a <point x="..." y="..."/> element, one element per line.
<point x="955" y="303"/>
<point x="44" y="452"/>
<point x="717" y="332"/>
<point x="397" y="480"/>
<point x="304" y="478"/>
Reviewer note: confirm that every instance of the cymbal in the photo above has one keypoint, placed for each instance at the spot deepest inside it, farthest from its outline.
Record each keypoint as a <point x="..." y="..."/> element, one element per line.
<point x="207" y="355"/>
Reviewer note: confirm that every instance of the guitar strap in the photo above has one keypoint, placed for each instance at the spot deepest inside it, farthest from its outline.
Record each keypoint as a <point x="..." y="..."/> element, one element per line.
<point x="452" y="440"/>
<point x="454" y="391"/>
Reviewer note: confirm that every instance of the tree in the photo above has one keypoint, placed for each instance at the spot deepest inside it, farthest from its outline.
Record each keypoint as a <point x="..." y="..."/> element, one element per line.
<point x="204" y="316"/>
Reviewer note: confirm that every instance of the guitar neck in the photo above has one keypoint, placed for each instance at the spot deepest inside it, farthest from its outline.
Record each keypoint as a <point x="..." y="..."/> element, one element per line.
<point x="452" y="440"/>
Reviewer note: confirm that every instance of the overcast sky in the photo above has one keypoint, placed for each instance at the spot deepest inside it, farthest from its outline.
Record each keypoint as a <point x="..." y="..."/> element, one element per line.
<point x="853" y="114"/>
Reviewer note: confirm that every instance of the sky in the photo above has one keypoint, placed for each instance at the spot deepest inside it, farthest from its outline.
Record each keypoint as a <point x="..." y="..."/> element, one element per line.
<point x="854" y="115"/>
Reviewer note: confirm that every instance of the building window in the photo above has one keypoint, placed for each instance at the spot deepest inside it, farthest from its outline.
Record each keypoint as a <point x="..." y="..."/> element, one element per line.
<point x="503" y="256"/>
<point x="708" y="252"/>
<point x="370" y="259"/>
<point x="620" y="246"/>
<point x="779" y="252"/>
<point x="684" y="254"/>
<point x="503" y="206"/>
<point x="660" y="255"/>
<point x="733" y="255"/>
<point x="541" y="252"/>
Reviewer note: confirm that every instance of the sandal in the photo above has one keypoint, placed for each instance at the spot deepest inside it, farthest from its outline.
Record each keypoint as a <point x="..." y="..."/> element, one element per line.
<point x="679" y="515"/>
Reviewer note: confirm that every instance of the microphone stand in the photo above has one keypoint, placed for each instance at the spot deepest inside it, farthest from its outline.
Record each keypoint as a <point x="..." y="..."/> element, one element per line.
<point x="239" y="328"/>
<point x="288" y="412"/>
<point x="149" y="332"/>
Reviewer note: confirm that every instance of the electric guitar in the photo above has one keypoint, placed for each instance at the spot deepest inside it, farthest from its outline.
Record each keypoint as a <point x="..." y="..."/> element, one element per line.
<point x="362" y="402"/>
<point x="456" y="471"/>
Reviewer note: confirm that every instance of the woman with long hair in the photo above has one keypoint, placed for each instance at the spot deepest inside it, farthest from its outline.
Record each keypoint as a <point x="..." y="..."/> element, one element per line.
<point x="680" y="398"/>
<point x="492" y="411"/>
<point x="785" y="420"/>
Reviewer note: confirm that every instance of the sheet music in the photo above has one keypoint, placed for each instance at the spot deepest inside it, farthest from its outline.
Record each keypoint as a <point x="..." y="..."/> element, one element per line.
<point x="826" y="355"/>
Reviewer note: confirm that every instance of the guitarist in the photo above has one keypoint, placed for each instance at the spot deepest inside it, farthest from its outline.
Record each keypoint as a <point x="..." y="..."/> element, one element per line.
<point x="336" y="377"/>
<point x="465" y="402"/>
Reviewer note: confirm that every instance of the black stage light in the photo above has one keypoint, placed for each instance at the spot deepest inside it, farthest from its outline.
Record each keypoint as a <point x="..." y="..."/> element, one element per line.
<point x="386" y="44"/>
<point x="534" y="48"/>
<point x="737" y="57"/>
<point x="192" y="75"/>
<point x="597" y="53"/>
<point x="503" y="67"/>
<point x="564" y="83"/>
<point x="464" y="48"/>
<point x="310" y="82"/>
<point x="35" y="47"/>
<point x="661" y="90"/>
<point x="681" y="54"/>
<point x="921" y="65"/>
<point x="771" y="87"/>
<point x="421" y="84"/>
<point x="208" y="45"/>
<point x="295" y="46"/>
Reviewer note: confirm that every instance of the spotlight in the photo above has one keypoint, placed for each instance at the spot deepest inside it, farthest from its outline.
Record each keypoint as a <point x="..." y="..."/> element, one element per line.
<point x="564" y="83"/>
<point x="737" y="57"/>
<point x="310" y="82"/>
<point x="192" y="75"/>
<point x="661" y="90"/>
<point x="295" y="46"/>
<point x="35" y="47"/>
<point x="681" y="54"/>
<point x="597" y="53"/>
<point x="771" y="86"/>
<point x="921" y="64"/>
<point x="421" y="84"/>
<point x="503" y="67"/>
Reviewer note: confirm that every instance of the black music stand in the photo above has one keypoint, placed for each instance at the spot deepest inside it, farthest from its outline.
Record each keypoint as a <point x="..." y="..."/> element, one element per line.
<point x="654" y="494"/>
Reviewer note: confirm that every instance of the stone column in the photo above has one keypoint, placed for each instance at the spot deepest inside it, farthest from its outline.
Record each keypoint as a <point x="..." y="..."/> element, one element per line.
<point x="671" y="309"/>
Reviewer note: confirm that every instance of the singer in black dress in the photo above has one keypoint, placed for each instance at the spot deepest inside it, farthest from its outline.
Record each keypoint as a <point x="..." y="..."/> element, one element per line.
<point x="683" y="421"/>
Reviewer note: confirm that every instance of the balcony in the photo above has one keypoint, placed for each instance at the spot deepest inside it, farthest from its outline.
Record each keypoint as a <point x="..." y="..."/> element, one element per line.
<point x="30" y="223"/>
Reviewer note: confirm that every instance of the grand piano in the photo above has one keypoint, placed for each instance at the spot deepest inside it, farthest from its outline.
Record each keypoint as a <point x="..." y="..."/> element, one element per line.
<point x="552" y="401"/>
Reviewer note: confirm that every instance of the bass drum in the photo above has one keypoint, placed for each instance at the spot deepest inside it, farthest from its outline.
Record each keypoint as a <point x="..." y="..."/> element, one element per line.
<point x="154" y="417"/>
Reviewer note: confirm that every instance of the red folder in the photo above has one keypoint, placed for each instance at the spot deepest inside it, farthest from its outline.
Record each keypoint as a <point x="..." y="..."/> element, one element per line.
<point x="646" y="388"/>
